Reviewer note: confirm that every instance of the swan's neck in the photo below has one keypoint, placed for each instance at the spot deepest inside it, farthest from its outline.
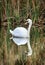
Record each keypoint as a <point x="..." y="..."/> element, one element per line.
<point x="29" y="30"/>
<point x="29" y="47"/>
<point x="29" y="35"/>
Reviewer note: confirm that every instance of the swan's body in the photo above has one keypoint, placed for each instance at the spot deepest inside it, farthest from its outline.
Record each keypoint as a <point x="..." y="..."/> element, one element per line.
<point x="21" y="36"/>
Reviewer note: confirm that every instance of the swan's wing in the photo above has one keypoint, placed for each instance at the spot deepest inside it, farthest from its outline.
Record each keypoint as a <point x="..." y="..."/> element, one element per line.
<point x="20" y="31"/>
<point x="20" y="41"/>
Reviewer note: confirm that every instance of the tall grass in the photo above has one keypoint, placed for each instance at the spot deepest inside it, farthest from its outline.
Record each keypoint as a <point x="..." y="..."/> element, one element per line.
<point x="8" y="50"/>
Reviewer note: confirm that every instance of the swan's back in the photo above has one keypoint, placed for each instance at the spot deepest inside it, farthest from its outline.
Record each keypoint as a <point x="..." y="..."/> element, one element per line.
<point x="20" y="31"/>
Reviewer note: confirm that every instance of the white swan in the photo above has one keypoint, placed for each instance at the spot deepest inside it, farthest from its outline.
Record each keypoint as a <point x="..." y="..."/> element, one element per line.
<point x="21" y="36"/>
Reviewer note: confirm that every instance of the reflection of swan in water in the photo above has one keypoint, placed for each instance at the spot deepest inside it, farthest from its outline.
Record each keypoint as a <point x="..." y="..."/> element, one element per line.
<point x="21" y="36"/>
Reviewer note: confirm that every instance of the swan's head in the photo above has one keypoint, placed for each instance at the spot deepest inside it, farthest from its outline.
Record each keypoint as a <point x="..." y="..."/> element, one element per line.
<point x="29" y="21"/>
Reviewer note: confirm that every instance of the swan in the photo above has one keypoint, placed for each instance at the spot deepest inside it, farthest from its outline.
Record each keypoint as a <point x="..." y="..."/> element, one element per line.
<point x="21" y="36"/>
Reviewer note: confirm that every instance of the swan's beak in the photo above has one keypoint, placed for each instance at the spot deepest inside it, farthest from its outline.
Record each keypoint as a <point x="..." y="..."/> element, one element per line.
<point x="26" y="22"/>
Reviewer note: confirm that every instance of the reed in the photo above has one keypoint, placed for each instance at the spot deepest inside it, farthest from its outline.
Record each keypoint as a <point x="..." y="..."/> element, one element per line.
<point x="10" y="53"/>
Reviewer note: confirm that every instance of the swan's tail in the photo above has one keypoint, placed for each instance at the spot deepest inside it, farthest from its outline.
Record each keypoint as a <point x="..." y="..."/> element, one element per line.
<point x="11" y="31"/>
<point x="11" y="38"/>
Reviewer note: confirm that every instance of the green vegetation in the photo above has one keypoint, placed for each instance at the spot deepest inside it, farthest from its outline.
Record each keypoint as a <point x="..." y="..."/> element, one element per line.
<point x="13" y="13"/>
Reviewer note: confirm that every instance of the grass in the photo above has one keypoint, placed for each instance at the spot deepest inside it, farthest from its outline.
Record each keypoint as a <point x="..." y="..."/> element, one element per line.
<point x="12" y="56"/>
<point x="10" y="53"/>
